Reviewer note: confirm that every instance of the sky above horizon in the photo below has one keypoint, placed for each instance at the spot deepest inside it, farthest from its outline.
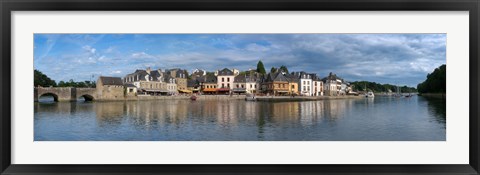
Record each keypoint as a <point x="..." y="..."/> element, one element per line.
<point x="401" y="59"/>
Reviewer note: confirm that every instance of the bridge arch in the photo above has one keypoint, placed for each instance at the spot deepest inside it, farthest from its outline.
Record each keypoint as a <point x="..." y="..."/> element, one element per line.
<point x="87" y="97"/>
<point x="54" y="95"/>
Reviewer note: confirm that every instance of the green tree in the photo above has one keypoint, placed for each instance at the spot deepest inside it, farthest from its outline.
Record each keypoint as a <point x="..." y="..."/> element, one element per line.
<point x="40" y="79"/>
<point x="273" y="70"/>
<point x="436" y="82"/>
<point x="261" y="68"/>
<point x="283" y="69"/>
<point x="377" y="87"/>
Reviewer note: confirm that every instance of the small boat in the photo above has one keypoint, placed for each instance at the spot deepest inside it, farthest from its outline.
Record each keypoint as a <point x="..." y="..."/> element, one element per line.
<point x="250" y="97"/>
<point x="193" y="97"/>
<point x="369" y="94"/>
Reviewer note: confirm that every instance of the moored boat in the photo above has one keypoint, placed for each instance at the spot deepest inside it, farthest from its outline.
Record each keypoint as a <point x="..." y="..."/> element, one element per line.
<point x="250" y="97"/>
<point x="193" y="97"/>
<point x="369" y="94"/>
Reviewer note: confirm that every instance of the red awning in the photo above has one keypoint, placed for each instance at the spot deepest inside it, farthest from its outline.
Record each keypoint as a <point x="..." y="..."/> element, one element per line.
<point x="223" y="89"/>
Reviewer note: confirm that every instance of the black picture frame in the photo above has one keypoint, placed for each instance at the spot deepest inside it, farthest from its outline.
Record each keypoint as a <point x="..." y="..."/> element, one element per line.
<point x="7" y="6"/>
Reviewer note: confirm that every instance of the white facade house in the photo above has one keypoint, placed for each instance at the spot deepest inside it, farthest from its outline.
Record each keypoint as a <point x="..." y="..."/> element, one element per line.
<point x="171" y="84"/>
<point x="252" y="84"/>
<point x="225" y="78"/>
<point x="317" y="86"/>
<point x="305" y="87"/>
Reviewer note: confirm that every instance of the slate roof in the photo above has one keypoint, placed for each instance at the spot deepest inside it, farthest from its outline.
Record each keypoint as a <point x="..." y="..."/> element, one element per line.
<point x="291" y="78"/>
<point x="111" y="80"/>
<point x="154" y="74"/>
<point x="210" y="78"/>
<point x="181" y="74"/>
<point x="239" y="79"/>
<point x="130" y="85"/>
<point x="166" y="78"/>
<point x="315" y="77"/>
<point x="225" y="72"/>
<point x="331" y="76"/>
<point x="272" y="77"/>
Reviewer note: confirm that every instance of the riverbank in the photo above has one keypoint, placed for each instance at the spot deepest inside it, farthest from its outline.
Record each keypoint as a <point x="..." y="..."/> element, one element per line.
<point x="433" y="95"/>
<point x="183" y="97"/>
<point x="240" y="97"/>
<point x="304" y="98"/>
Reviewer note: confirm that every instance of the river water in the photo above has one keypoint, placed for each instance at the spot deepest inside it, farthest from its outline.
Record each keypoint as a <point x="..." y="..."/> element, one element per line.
<point x="378" y="119"/>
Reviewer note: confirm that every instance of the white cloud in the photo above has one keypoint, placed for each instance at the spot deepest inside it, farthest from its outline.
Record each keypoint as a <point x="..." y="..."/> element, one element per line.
<point x="256" y="48"/>
<point x="141" y="55"/>
<point x="89" y="49"/>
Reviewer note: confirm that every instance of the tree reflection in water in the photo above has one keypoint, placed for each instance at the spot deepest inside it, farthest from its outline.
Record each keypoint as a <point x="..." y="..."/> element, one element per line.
<point x="382" y="118"/>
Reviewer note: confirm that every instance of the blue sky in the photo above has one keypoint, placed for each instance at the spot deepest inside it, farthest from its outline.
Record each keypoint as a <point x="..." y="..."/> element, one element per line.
<point x="403" y="59"/>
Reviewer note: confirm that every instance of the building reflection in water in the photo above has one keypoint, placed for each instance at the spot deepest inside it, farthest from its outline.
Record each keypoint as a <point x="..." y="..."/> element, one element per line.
<point x="242" y="120"/>
<point x="225" y="114"/>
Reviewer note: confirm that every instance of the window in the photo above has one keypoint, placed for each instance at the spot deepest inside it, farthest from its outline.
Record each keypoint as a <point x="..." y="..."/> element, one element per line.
<point x="250" y="86"/>
<point x="228" y="79"/>
<point x="293" y="86"/>
<point x="228" y="85"/>
<point x="223" y="79"/>
<point x="223" y="85"/>
<point x="303" y="82"/>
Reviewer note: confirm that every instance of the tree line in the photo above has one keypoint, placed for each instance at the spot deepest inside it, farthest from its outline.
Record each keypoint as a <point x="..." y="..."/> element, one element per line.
<point x="436" y="81"/>
<point x="377" y="87"/>
<point x="40" y="79"/>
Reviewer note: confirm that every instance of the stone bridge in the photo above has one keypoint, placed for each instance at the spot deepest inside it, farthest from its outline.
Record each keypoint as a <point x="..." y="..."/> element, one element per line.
<point x="65" y="93"/>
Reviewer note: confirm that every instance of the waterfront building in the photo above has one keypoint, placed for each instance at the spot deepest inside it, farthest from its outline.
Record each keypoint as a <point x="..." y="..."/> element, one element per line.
<point x="304" y="83"/>
<point x="193" y="85"/>
<point x="239" y="84"/>
<point x="131" y="90"/>
<point x="292" y="84"/>
<point x="181" y="78"/>
<point x="171" y="84"/>
<point x="225" y="78"/>
<point x="252" y="82"/>
<point x="276" y="84"/>
<point x="147" y="81"/>
<point x="317" y="85"/>
<point x="208" y="84"/>
<point x="332" y="85"/>
<point x="109" y="88"/>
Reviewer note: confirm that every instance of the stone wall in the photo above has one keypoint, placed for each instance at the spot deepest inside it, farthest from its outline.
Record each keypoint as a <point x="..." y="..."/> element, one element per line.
<point x="110" y="92"/>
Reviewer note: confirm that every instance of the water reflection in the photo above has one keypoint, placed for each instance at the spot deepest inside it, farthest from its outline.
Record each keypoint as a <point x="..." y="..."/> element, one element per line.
<point x="360" y="119"/>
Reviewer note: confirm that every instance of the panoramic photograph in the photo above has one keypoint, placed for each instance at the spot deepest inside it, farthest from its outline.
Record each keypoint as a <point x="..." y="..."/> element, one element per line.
<point x="239" y="87"/>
